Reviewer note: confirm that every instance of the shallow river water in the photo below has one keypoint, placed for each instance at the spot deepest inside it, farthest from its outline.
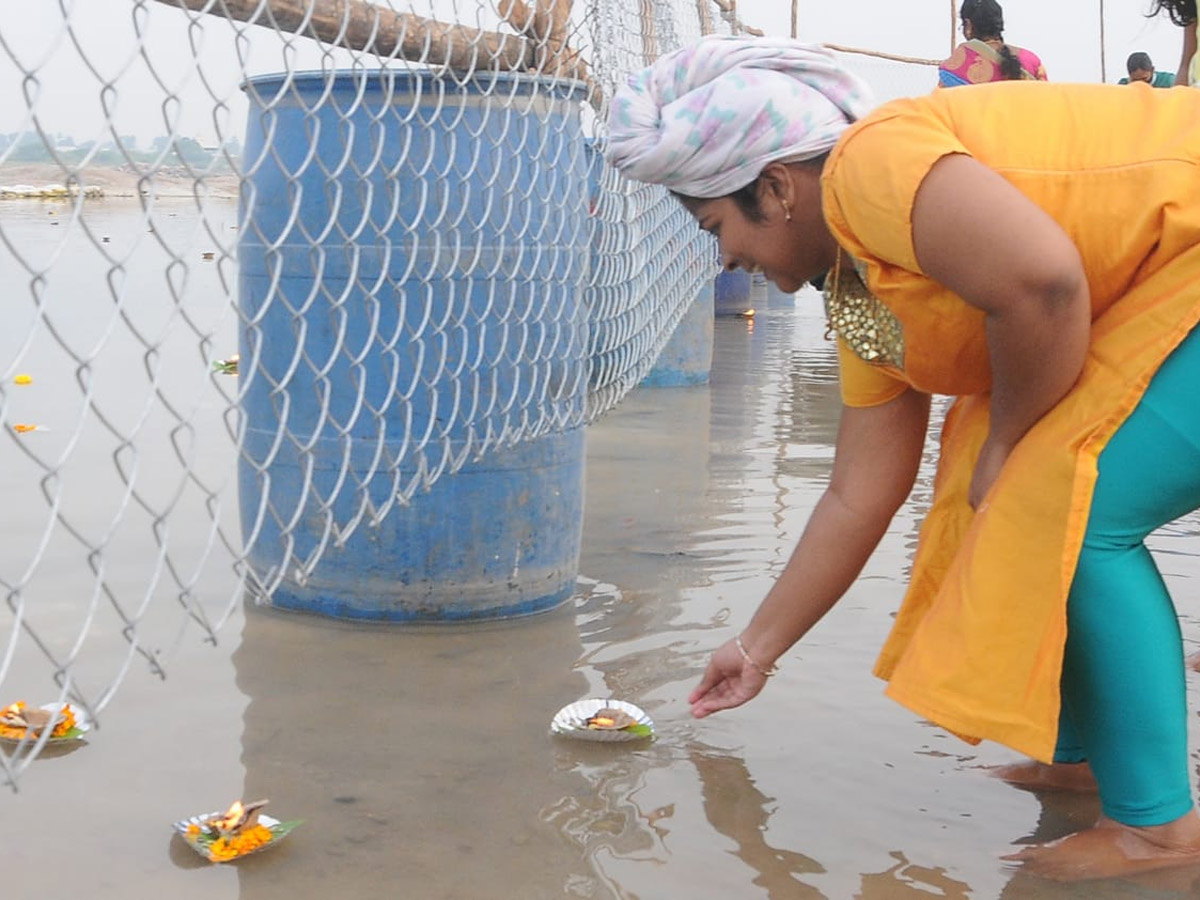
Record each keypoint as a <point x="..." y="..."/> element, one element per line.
<point x="420" y="759"/>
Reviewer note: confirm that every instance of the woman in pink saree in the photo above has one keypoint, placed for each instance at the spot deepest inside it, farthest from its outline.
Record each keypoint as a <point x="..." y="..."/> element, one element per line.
<point x="984" y="56"/>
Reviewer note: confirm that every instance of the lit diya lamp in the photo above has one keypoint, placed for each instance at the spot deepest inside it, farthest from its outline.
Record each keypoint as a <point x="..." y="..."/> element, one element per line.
<point x="598" y="719"/>
<point x="239" y="819"/>
<point x="610" y="719"/>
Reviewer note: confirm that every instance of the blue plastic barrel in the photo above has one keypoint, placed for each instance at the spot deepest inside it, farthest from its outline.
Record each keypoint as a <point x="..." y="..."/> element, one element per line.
<point x="687" y="357"/>
<point x="411" y="256"/>
<point x="732" y="294"/>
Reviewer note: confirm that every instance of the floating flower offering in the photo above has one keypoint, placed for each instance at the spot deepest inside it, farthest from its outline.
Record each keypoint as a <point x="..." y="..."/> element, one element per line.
<point x="19" y="722"/>
<point x="226" y="366"/>
<point x="597" y="719"/>
<point x="238" y="832"/>
<point x="22" y="428"/>
<point x="23" y="379"/>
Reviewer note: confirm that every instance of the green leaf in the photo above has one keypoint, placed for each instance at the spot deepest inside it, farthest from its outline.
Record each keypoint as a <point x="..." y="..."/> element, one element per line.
<point x="640" y="730"/>
<point x="204" y="838"/>
<point x="71" y="734"/>
<point x="283" y="829"/>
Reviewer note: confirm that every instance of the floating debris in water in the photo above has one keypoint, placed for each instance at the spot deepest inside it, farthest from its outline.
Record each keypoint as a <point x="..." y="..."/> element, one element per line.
<point x="226" y="366"/>
<point x="23" y="379"/>
<point x="23" y="428"/>
<point x="207" y="254"/>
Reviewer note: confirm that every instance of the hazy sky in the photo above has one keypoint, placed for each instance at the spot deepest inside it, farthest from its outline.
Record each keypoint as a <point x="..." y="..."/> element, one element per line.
<point x="148" y="55"/>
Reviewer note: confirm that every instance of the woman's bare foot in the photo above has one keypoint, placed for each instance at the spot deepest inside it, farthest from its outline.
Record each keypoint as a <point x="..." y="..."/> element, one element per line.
<point x="1111" y="850"/>
<point x="1059" y="776"/>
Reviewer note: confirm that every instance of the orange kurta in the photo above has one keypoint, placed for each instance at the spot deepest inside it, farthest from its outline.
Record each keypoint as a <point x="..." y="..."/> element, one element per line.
<point x="978" y="643"/>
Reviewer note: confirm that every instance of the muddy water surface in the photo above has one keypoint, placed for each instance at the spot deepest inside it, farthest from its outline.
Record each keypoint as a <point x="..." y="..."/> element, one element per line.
<point x="420" y="760"/>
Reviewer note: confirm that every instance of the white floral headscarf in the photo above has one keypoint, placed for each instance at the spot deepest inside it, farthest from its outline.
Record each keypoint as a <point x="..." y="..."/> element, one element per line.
<point x="705" y="120"/>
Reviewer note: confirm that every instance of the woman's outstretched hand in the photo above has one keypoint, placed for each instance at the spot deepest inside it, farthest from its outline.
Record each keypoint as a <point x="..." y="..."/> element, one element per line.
<point x="728" y="681"/>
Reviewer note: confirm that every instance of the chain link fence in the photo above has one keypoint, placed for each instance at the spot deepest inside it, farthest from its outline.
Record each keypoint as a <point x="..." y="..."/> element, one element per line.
<point x="186" y="182"/>
<point x="393" y="212"/>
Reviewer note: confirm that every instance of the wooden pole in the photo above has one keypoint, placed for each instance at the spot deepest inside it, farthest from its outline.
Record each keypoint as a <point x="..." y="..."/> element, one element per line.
<point x="360" y="25"/>
<point x="953" y="25"/>
<point x="795" y="19"/>
<point x="702" y="10"/>
<point x="879" y="54"/>
<point x="729" y="14"/>
<point x="649" y="38"/>
<point x="1103" y="64"/>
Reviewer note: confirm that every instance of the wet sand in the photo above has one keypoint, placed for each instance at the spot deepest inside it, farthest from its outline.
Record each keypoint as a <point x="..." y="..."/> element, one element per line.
<point x="420" y="760"/>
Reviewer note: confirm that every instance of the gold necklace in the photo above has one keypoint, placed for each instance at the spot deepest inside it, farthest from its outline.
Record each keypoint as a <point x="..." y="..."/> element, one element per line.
<point x="856" y="316"/>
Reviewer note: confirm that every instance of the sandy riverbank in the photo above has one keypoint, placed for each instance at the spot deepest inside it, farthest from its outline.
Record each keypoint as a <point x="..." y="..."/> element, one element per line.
<point x="38" y="180"/>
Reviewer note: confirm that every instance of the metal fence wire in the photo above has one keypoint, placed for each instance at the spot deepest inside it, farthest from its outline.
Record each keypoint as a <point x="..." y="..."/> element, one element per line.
<point x="377" y="183"/>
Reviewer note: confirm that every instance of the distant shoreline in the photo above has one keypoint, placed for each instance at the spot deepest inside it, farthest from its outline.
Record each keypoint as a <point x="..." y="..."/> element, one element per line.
<point x="46" y="181"/>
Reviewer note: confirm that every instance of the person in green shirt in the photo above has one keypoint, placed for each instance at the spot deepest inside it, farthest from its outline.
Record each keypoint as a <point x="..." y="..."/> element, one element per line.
<point x="1141" y="68"/>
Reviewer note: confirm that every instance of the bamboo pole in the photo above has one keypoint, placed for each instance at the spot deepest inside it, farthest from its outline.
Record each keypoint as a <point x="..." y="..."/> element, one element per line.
<point x="795" y="19"/>
<point x="546" y="25"/>
<point x="360" y="25"/>
<point x="649" y="36"/>
<point x="729" y="10"/>
<point x="706" y="25"/>
<point x="879" y="54"/>
<point x="1103" y="64"/>
<point x="953" y="25"/>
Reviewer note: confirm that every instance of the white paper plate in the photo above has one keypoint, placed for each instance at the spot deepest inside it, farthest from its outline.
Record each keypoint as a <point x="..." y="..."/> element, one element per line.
<point x="81" y="722"/>
<point x="280" y="830"/>
<point x="571" y="721"/>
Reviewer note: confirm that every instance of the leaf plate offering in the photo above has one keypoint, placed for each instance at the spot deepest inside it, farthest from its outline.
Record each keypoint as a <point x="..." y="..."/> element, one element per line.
<point x="19" y="722"/>
<point x="598" y="719"/>
<point x="239" y="832"/>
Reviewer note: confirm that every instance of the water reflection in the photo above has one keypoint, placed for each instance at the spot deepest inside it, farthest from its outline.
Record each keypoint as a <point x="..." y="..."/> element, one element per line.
<point x="739" y="810"/>
<point x="417" y="757"/>
<point x="908" y="880"/>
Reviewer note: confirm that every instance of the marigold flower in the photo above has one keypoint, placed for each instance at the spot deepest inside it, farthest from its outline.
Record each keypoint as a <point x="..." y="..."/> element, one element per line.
<point x="235" y="845"/>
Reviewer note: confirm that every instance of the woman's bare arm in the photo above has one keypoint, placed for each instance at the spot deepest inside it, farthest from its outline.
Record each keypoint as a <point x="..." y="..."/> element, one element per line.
<point x="979" y="236"/>
<point x="876" y="461"/>
<point x="1189" y="50"/>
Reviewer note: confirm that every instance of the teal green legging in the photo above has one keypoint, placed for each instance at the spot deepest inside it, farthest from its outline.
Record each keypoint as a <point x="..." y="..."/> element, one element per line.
<point x="1124" y="708"/>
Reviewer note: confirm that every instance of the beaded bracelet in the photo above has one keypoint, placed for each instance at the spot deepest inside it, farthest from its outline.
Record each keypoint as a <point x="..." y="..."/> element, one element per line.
<point x="765" y="673"/>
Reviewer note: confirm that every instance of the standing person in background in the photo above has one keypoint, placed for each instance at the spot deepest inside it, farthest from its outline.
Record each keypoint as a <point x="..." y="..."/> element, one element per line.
<point x="1141" y="69"/>
<point x="1183" y="14"/>
<point x="984" y="56"/>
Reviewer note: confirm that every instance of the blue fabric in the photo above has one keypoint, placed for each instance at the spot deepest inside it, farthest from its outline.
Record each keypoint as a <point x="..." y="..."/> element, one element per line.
<point x="1123" y="686"/>
<point x="949" y="79"/>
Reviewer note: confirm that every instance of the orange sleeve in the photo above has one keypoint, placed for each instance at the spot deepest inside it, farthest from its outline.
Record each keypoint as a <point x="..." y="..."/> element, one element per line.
<point x="872" y="178"/>
<point x="863" y="384"/>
